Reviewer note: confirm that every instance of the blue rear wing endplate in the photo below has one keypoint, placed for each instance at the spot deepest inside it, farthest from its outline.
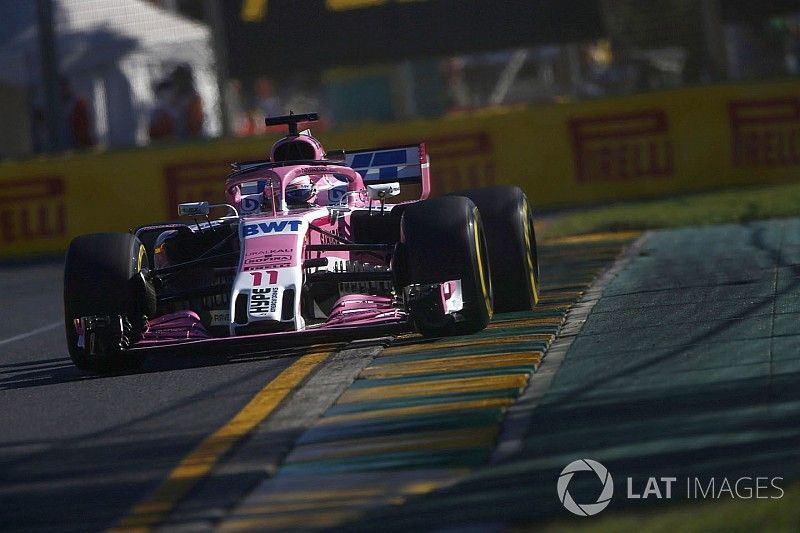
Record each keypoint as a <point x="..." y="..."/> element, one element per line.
<point x="402" y="164"/>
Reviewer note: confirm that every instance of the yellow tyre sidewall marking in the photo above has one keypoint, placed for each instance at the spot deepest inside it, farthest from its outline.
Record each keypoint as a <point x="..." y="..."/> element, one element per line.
<point x="140" y="258"/>
<point x="487" y="298"/>
<point x="529" y="255"/>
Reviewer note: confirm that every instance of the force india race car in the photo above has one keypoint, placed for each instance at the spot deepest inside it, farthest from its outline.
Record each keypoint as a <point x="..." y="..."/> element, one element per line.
<point x="310" y="245"/>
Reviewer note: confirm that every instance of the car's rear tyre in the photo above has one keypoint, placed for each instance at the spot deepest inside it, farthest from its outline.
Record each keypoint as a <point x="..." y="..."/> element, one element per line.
<point x="511" y="238"/>
<point x="98" y="274"/>
<point x="442" y="239"/>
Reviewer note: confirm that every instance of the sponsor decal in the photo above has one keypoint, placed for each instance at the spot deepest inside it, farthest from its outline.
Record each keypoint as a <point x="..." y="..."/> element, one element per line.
<point x="250" y="204"/>
<point x="273" y="258"/>
<point x="32" y="209"/>
<point x="765" y="133"/>
<point x="271" y="227"/>
<point x="452" y="296"/>
<point x="220" y="317"/>
<point x="622" y="147"/>
<point x="281" y="254"/>
<point x="193" y="209"/>
<point x="263" y="301"/>
<point x="268" y="260"/>
<point x="327" y="239"/>
<point x="248" y="268"/>
<point x="337" y="195"/>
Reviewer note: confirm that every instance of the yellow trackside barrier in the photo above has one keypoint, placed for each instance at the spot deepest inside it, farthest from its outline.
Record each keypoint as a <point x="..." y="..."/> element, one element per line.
<point x="562" y="155"/>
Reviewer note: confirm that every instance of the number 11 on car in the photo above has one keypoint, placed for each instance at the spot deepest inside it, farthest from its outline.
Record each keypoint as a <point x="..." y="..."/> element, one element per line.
<point x="258" y="277"/>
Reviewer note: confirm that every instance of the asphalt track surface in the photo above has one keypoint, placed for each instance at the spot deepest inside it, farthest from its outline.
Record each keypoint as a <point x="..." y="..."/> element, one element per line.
<point x="684" y="365"/>
<point x="81" y="452"/>
<point x="76" y="451"/>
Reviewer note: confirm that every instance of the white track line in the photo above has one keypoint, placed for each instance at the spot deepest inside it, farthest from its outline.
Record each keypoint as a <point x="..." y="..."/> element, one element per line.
<point x="32" y="332"/>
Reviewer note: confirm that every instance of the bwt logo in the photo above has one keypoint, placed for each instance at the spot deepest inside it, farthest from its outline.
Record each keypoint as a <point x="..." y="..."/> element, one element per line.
<point x="585" y="509"/>
<point x="765" y="133"/>
<point x="283" y="226"/>
<point x="622" y="147"/>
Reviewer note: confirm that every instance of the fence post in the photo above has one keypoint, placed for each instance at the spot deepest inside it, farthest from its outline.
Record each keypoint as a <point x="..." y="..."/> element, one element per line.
<point x="50" y="77"/>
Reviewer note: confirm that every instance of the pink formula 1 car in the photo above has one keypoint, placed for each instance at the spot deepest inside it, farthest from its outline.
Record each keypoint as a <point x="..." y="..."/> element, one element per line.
<point x="312" y="245"/>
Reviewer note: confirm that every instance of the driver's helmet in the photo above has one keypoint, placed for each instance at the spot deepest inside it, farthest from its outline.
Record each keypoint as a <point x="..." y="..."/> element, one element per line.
<point x="300" y="191"/>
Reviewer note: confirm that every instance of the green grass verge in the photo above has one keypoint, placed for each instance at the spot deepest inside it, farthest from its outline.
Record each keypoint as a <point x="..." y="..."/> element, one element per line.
<point x="731" y="205"/>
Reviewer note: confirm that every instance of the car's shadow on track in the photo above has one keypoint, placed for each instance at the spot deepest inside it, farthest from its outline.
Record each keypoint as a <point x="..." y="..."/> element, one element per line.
<point x="56" y="370"/>
<point x="160" y="363"/>
<point x="42" y="372"/>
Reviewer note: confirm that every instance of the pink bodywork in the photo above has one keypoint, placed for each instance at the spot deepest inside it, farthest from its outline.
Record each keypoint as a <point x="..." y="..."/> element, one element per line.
<point x="182" y="325"/>
<point x="349" y="311"/>
<point x="281" y="176"/>
<point x="355" y="309"/>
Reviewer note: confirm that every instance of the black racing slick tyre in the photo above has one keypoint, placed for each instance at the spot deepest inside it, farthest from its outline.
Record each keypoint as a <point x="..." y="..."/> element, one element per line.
<point x="98" y="281"/>
<point x="442" y="239"/>
<point x="508" y="223"/>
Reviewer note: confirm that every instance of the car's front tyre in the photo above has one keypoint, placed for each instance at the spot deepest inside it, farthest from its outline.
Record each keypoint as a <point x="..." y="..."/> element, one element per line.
<point x="99" y="274"/>
<point x="442" y="239"/>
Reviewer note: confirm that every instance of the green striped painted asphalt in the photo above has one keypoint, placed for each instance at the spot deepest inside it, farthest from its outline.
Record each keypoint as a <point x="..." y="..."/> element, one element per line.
<point x="486" y="349"/>
<point x="475" y="418"/>
<point x="433" y="440"/>
<point x="340" y="409"/>
<point x="485" y="372"/>
<point x="551" y="328"/>
<point x="451" y="363"/>
<point x="433" y="407"/>
<point x="494" y="345"/>
<point x="455" y="360"/>
<point x="534" y="331"/>
<point x="481" y="350"/>
<point x="469" y="457"/>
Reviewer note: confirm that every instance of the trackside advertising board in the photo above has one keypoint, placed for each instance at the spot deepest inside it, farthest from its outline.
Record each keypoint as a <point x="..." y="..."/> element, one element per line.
<point x="562" y="155"/>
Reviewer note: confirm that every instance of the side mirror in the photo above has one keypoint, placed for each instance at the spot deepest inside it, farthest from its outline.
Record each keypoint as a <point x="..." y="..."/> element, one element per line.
<point x="194" y="209"/>
<point x="335" y="155"/>
<point x="381" y="191"/>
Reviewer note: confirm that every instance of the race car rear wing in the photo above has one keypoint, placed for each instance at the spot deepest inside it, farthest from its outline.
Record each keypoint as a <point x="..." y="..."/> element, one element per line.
<point x="407" y="165"/>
